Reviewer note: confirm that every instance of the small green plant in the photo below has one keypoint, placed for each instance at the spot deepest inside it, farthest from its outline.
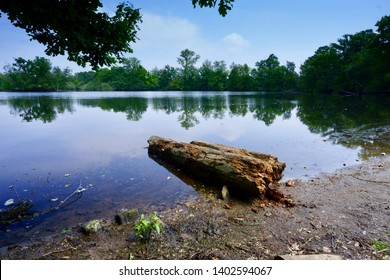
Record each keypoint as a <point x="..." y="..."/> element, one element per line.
<point x="380" y="245"/>
<point x="382" y="249"/>
<point x="145" y="227"/>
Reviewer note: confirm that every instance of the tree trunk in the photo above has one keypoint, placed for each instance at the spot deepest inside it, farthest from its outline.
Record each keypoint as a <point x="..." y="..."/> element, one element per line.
<point x="243" y="172"/>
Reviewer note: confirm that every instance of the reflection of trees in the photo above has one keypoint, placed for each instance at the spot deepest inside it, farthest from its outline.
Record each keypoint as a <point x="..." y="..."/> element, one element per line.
<point x="334" y="113"/>
<point x="238" y="104"/>
<point x="133" y="107"/>
<point x="267" y="107"/>
<point x="44" y="108"/>
<point x="348" y="120"/>
<point x="213" y="106"/>
<point x="190" y="105"/>
<point x="167" y="104"/>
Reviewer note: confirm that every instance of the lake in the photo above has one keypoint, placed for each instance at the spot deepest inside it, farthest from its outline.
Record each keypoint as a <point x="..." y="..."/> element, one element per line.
<point x="83" y="155"/>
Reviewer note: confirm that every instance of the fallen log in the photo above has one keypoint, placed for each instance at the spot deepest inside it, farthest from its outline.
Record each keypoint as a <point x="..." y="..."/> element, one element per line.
<point x="243" y="172"/>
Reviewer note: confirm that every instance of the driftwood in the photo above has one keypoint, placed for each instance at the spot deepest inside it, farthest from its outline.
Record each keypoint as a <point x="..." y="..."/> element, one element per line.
<point x="243" y="172"/>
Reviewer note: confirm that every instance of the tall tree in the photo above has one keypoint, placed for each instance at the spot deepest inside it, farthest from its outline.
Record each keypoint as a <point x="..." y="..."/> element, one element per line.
<point x="29" y="75"/>
<point x="213" y="76"/>
<point x="322" y="71"/>
<point x="189" y="73"/>
<point x="380" y="52"/>
<point x="166" y="77"/>
<point x="240" y="78"/>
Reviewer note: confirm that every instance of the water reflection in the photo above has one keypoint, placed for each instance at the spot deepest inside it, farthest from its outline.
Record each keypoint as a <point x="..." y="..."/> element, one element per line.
<point x="43" y="108"/>
<point x="133" y="107"/>
<point x="351" y="121"/>
<point x="99" y="139"/>
<point x="340" y="118"/>
<point x="262" y="107"/>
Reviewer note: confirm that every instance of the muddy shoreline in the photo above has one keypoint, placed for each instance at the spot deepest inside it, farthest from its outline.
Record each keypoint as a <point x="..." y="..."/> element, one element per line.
<point x="343" y="213"/>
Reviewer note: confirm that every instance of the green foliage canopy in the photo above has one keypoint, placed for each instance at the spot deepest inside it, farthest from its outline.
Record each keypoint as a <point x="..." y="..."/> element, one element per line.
<point x="356" y="63"/>
<point x="78" y="28"/>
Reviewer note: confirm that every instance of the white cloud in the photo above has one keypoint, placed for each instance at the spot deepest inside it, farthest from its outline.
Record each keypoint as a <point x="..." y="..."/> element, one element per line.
<point x="162" y="38"/>
<point x="156" y="28"/>
<point x="234" y="42"/>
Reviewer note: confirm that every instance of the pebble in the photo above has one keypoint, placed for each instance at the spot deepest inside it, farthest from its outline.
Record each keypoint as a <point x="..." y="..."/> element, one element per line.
<point x="91" y="226"/>
<point x="290" y="183"/>
<point x="187" y="237"/>
<point x="326" y="250"/>
<point x="126" y="216"/>
<point x="225" y="193"/>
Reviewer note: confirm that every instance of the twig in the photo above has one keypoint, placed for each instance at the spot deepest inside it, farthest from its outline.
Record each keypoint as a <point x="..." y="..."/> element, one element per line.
<point x="384" y="250"/>
<point x="39" y="187"/>
<point x="370" y="181"/>
<point x="17" y="195"/>
<point x="79" y="191"/>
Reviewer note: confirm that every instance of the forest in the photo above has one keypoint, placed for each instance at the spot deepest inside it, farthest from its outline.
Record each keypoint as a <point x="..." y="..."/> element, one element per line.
<point x="357" y="63"/>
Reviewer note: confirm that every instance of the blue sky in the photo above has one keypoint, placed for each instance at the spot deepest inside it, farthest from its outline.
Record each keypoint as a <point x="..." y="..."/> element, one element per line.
<point x="254" y="29"/>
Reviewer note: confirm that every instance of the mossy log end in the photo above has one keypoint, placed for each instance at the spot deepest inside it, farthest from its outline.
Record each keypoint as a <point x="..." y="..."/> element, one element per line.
<point x="243" y="172"/>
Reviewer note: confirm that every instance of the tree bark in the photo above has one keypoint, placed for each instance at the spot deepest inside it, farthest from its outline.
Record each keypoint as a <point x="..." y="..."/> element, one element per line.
<point x="243" y="172"/>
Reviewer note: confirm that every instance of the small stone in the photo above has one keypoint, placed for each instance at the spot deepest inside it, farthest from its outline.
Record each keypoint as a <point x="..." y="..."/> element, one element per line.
<point x="326" y="250"/>
<point x="126" y="216"/>
<point x="290" y="183"/>
<point x="186" y="237"/>
<point x="225" y="193"/>
<point x="91" y="227"/>
<point x="268" y="214"/>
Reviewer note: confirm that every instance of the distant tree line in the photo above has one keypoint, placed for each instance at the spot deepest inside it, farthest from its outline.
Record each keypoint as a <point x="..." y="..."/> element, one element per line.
<point x="358" y="63"/>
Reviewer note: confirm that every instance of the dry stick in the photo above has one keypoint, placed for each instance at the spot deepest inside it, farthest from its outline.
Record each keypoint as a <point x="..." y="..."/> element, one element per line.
<point x="39" y="187"/>
<point x="370" y="181"/>
<point x="17" y="195"/>
<point x="384" y="250"/>
<point x="78" y="191"/>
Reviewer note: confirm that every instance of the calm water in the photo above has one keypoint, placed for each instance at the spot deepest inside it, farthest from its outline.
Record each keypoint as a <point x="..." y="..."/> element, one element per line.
<point x="54" y="144"/>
